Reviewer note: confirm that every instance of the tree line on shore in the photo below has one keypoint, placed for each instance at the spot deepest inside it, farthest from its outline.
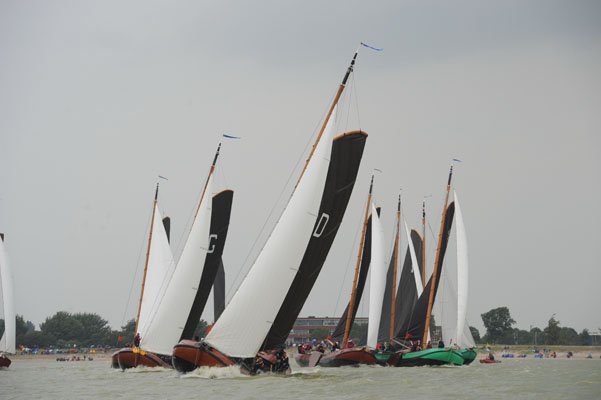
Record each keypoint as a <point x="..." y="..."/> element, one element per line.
<point x="65" y="329"/>
<point x="500" y="330"/>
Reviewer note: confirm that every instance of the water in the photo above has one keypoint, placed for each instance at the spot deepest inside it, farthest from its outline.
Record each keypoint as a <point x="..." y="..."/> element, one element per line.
<point x="512" y="379"/>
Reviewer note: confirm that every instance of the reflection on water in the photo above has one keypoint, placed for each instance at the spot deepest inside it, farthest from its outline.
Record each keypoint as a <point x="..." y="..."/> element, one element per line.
<point x="512" y="379"/>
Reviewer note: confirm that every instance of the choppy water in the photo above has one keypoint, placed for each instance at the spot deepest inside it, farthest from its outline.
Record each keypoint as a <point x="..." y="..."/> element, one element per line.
<point x="512" y="379"/>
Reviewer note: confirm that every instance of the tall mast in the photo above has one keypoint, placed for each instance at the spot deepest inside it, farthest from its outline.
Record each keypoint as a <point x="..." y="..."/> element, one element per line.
<point x="154" y="207"/>
<point x="330" y="111"/>
<point x="211" y="170"/>
<point x="423" y="244"/>
<point x="397" y="242"/>
<point x="347" y="328"/>
<point x="436" y="260"/>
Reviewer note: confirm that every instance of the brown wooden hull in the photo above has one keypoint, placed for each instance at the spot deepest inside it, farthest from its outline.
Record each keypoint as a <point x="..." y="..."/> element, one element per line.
<point x="354" y="356"/>
<point x="189" y="355"/>
<point x="126" y="358"/>
<point x="4" y="362"/>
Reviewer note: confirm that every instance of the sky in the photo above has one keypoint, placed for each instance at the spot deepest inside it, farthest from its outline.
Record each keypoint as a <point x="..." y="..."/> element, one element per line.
<point x="98" y="98"/>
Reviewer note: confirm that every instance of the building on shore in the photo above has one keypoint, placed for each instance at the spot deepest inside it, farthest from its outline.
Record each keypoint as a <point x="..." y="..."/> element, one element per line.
<point x="307" y="328"/>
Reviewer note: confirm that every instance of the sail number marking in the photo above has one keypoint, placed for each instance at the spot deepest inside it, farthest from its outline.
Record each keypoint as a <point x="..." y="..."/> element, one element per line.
<point x="321" y="225"/>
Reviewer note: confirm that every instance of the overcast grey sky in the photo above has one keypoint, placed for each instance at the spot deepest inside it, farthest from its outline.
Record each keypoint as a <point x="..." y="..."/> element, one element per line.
<point x="97" y="98"/>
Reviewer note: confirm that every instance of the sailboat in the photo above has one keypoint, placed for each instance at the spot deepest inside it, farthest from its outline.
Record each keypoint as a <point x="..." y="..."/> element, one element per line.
<point x="418" y="326"/>
<point x="370" y="252"/>
<point x="170" y="301"/>
<point x="461" y="336"/>
<point x="252" y="330"/>
<point x="398" y="303"/>
<point x="8" y="338"/>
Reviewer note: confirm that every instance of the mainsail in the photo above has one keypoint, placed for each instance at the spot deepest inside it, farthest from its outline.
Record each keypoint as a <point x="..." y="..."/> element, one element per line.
<point x="174" y="305"/>
<point x="8" y="339"/>
<point x="409" y="290"/>
<point x="220" y="220"/>
<point x="463" y="334"/>
<point x="240" y="331"/>
<point x="363" y="270"/>
<point x="244" y="324"/>
<point x="378" y="280"/>
<point x="219" y="292"/>
<point x="347" y="150"/>
<point x="384" y="330"/>
<point x="417" y="323"/>
<point x="159" y="268"/>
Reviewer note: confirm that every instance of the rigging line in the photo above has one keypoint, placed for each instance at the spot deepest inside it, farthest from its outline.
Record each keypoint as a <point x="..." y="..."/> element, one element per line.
<point x="262" y="230"/>
<point x="348" y="110"/>
<point x="356" y="101"/>
<point x="133" y="279"/>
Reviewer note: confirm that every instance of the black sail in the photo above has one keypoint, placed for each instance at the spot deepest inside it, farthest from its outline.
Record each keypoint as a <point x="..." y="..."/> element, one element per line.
<point x="384" y="329"/>
<point x="347" y="150"/>
<point x="363" y="270"/>
<point x="417" y="321"/>
<point x="167" y="226"/>
<point x="219" y="291"/>
<point x="406" y="294"/>
<point x="220" y="220"/>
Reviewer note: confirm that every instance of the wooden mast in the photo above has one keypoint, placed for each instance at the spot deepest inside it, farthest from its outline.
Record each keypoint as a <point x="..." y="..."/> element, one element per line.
<point x="154" y="207"/>
<point x="347" y="327"/>
<point x="329" y="114"/>
<point x="436" y="260"/>
<point x="423" y="244"/>
<point x="397" y="241"/>
<point x="211" y="170"/>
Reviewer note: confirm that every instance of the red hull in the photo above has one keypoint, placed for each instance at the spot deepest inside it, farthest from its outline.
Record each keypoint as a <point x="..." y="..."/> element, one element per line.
<point x="354" y="356"/>
<point x="487" y="361"/>
<point x="4" y="362"/>
<point x="189" y="355"/>
<point x="126" y="358"/>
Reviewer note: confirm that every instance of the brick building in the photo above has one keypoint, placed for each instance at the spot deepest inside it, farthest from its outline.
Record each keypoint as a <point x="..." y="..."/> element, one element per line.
<point x="304" y="326"/>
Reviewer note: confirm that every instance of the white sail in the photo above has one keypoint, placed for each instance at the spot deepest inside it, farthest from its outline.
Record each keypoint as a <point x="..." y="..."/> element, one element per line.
<point x="7" y="342"/>
<point x="462" y="274"/>
<point x="159" y="270"/>
<point x="414" y="263"/>
<point x="377" y="284"/>
<point x="246" y="320"/>
<point x="174" y="307"/>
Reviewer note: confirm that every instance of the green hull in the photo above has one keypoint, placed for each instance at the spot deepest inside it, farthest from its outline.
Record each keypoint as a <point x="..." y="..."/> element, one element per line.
<point x="383" y="357"/>
<point x="431" y="357"/>
<point x="468" y="355"/>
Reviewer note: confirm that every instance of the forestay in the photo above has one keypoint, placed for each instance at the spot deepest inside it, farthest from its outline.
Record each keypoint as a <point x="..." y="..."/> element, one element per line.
<point x="174" y="306"/>
<point x="7" y="342"/>
<point x="378" y="279"/>
<point x="244" y="324"/>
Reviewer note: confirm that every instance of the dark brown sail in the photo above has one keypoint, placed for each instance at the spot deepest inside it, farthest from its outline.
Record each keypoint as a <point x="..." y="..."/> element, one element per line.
<point x="363" y="270"/>
<point x="167" y="226"/>
<point x="219" y="291"/>
<point x="347" y="150"/>
<point x="417" y="320"/>
<point x="384" y="329"/>
<point x="406" y="296"/>
<point x="220" y="220"/>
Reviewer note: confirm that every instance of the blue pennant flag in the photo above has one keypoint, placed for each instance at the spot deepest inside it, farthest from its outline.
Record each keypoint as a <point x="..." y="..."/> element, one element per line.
<point x="370" y="47"/>
<point x="225" y="135"/>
